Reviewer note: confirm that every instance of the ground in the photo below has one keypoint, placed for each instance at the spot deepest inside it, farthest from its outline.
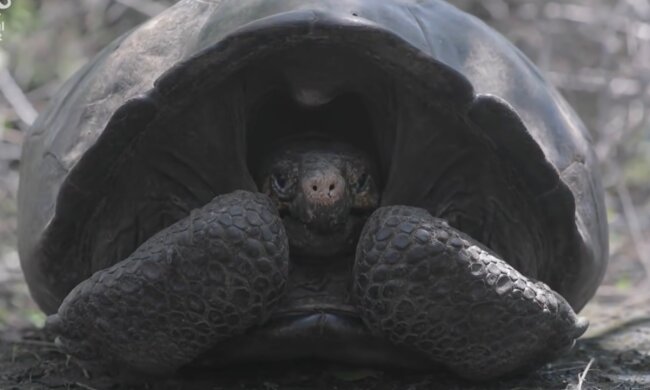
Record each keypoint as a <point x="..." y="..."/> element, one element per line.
<point x="594" y="51"/>
<point x="618" y="359"/>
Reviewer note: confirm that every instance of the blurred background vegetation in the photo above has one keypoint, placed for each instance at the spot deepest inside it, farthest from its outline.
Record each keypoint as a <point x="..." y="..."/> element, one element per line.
<point x="597" y="52"/>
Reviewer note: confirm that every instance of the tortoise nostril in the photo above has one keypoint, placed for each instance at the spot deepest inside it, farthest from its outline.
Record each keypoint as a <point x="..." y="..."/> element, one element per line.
<point x="324" y="187"/>
<point x="332" y="187"/>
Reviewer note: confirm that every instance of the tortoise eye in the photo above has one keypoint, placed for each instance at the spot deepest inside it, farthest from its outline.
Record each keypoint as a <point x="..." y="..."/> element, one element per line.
<point x="281" y="185"/>
<point x="362" y="183"/>
<point x="279" y="181"/>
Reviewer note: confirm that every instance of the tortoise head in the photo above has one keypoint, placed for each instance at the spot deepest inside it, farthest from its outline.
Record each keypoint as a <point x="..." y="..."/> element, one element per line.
<point x="324" y="191"/>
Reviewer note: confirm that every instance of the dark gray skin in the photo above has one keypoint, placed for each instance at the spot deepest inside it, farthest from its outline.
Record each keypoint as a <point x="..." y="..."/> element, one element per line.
<point x="228" y="269"/>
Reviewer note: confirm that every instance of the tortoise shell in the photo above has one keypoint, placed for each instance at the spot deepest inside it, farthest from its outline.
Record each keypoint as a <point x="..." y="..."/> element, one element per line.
<point x="176" y="111"/>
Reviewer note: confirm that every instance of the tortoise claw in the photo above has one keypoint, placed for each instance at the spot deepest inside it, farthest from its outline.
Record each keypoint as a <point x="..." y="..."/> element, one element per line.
<point x="54" y="324"/>
<point x="581" y="326"/>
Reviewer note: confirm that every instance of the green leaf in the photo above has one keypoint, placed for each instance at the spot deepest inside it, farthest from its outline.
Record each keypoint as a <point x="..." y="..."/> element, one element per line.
<point x="36" y="318"/>
<point x="624" y="283"/>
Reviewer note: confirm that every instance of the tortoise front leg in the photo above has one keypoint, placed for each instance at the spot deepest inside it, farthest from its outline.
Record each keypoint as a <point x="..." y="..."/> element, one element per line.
<point x="208" y="277"/>
<point x="423" y="284"/>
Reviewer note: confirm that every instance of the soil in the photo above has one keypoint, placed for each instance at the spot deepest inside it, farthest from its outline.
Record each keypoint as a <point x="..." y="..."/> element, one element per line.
<point x="30" y="360"/>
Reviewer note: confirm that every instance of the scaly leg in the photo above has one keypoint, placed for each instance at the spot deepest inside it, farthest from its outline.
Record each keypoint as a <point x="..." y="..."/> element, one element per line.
<point x="426" y="285"/>
<point x="208" y="277"/>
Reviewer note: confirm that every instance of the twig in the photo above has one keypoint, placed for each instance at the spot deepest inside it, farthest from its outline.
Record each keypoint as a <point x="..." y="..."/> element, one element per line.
<point x="16" y="97"/>
<point x="581" y="377"/>
<point x="83" y="386"/>
<point x="35" y="343"/>
<point x="145" y="7"/>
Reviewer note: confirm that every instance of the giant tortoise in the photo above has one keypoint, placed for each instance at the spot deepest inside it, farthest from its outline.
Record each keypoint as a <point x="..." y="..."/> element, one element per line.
<point x="376" y="182"/>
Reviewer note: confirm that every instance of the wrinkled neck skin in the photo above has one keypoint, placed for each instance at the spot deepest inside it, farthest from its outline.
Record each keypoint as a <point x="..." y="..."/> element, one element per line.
<point x="324" y="191"/>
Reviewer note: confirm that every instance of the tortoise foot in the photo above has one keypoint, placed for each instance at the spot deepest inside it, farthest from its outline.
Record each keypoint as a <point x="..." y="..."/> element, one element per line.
<point x="206" y="278"/>
<point x="423" y="284"/>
